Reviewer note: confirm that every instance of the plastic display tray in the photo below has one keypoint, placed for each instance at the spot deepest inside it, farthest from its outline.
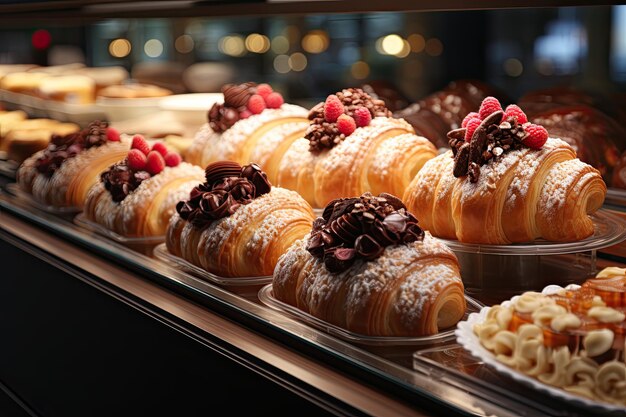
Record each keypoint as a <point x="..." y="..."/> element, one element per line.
<point x="82" y="221"/>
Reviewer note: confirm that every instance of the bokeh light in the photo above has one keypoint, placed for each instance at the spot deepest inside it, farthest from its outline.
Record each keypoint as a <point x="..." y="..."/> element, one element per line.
<point x="184" y="44"/>
<point x="297" y="61"/>
<point x="119" y="48"/>
<point x="280" y="44"/>
<point x="153" y="48"/>
<point x="417" y="42"/>
<point x="41" y="39"/>
<point x="315" y="42"/>
<point x="257" y="43"/>
<point x="513" y="67"/>
<point x="392" y="44"/>
<point x="232" y="45"/>
<point x="434" y="47"/>
<point x="360" y="70"/>
<point x="281" y="64"/>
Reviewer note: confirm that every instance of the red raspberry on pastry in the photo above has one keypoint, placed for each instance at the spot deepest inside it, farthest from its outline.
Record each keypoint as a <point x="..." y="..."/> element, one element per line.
<point x="471" y="126"/>
<point x="274" y="100"/>
<point x="160" y="148"/>
<point x="172" y="159"/>
<point x="155" y="163"/>
<point x="140" y="143"/>
<point x="136" y="160"/>
<point x="256" y="104"/>
<point x="362" y="116"/>
<point x="489" y="105"/>
<point x="472" y="115"/>
<point x="536" y="136"/>
<point x="113" y="135"/>
<point x="264" y="90"/>
<point x="346" y="124"/>
<point x="245" y="114"/>
<point x="333" y="108"/>
<point x="513" y="110"/>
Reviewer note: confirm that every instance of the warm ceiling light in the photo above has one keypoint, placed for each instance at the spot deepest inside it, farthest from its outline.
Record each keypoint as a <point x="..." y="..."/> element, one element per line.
<point x="232" y="45"/>
<point x="119" y="48"/>
<point x="392" y="44"/>
<point x="280" y="44"/>
<point x="184" y="44"/>
<point x="360" y="70"/>
<point x="315" y="42"/>
<point x="281" y="64"/>
<point x="153" y="48"/>
<point x="257" y="43"/>
<point x="297" y="61"/>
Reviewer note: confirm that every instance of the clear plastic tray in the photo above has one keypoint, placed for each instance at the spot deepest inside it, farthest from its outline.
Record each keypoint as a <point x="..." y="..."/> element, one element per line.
<point x="469" y="341"/>
<point x="25" y="197"/>
<point x="82" y="221"/>
<point x="266" y="296"/>
<point x="609" y="230"/>
<point x="243" y="284"/>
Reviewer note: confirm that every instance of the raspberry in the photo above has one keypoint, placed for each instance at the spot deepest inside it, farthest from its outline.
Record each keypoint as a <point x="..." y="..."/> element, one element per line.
<point x="113" y="135"/>
<point x="472" y="115"/>
<point x="264" y="90"/>
<point x="333" y="108"/>
<point x="536" y="136"/>
<point x="245" y="114"/>
<point x="488" y="106"/>
<point x="514" y="111"/>
<point x="155" y="163"/>
<point x="274" y="100"/>
<point x="136" y="160"/>
<point x="256" y="104"/>
<point x="140" y="143"/>
<point x="346" y="124"/>
<point x="471" y="126"/>
<point x="362" y="116"/>
<point x="172" y="159"/>
<point x="160" y="148"/>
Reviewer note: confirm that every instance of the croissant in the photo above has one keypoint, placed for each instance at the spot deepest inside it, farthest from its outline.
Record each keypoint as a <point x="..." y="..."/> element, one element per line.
<point x="236" y="224"/>
<point x="383" y="156"/>
<point x="393" y="279"/>
<point x="62" y="174"/>
<point x="261" y="137"/>
<point x="147" y="209"/>
<point x="535" y="188"/>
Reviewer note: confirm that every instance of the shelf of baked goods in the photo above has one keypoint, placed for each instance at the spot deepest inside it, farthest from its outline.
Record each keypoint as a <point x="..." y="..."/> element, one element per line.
<point x="362" y="236"/>
<point x="12" y="12"/>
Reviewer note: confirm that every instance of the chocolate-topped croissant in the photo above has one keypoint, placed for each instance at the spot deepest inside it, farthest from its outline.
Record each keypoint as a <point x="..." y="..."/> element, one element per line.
<point x="369" y="268"/>
<point x="236" y="224"/>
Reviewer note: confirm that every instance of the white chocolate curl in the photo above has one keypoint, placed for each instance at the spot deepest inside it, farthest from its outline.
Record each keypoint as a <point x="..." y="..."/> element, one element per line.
<point x="565" y="321"/>
<point x="531" y="301"/>
<point x="606" y="314"/>
<point x="597" y="342"/>
<point x="611" y="271"/>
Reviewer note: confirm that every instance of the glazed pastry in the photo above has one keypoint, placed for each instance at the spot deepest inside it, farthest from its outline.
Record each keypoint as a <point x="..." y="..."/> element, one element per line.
<point x="62" y="174"/>
<point x="252" y="125"/>
<point x="572" y="339"/>
<point x="369" y="268"/>
<point x="505" y="181"/>
<point x="133" y="90"/>
<point x="236" y="224"/>
<point x="351" y="146"/>
<point x="23" y="82"/>
<point x="137" y="196"/>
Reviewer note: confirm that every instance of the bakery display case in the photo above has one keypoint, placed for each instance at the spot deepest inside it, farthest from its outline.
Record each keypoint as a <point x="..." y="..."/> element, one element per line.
<point x="344" y="208"/>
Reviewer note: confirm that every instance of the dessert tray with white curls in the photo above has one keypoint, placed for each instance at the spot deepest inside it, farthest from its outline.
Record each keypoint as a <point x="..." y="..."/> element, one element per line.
<point x="567" y="342"/>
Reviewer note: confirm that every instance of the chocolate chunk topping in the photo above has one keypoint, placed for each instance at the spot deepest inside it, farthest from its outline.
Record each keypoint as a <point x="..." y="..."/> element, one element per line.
<point x="227" y="186"/>
<point x="491" y="139"/>
<point x="361" y="228"/>
<point x="68" y="146"/>
<point x="120" y="180"/>
<point x="222" y="116"/>
<point x="324" y="135"/>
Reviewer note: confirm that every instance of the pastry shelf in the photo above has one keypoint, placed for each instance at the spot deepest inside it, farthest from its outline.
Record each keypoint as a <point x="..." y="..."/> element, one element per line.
<point x="389" y="365"/>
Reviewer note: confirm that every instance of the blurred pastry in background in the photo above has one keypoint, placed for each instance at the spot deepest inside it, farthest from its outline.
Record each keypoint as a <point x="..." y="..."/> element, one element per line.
<point x="165" y="74"/>
<point x="104" y="76"/>
<point x="619" y="173"/>
<point x="11" y="68"/>
<point x="73" y="89"/>
<point x="57" y="69"/>
<point x="435" y="115"/>
<point x="597" y="138"/>
<point x="21" y="144"/>
<point x="208" y="77"/>
<point x="23" y="82"/>
<point x="134" y="90"/>
<point x="382" y="89"/>
<point x="8" y="119"/>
